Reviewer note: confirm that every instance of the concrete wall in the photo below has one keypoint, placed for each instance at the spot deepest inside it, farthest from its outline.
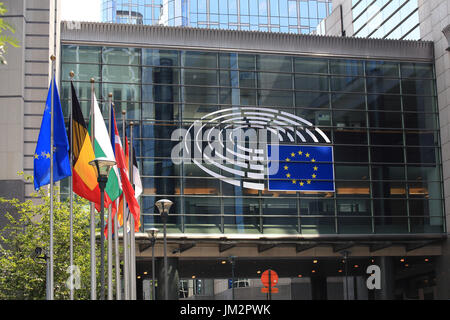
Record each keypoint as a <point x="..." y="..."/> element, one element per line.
<point x="434" y="17"/>
<point x="25" y="83"/>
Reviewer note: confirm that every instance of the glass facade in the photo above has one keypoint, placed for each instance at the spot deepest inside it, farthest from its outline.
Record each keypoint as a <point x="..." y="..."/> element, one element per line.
<point x="381" y="118"/>
<point x="132" y="11"/>
<point x="387" y="19"/>
<point x="291" y="16"/>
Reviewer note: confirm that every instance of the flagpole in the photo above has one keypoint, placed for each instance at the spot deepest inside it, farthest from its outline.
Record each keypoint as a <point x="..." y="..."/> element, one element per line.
<point x="51" y="284"/>
<point x="117" y="257"/>
<point x="116" y="245"/>
<point x="72" y="74"/>
<point x="92" y="222"/>
<point x="110" y="285"/>
<point x="125" y="224"/>
<point x="132" y="236"/>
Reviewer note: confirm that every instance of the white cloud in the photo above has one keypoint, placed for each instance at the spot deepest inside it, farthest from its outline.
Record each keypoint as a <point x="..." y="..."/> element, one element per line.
<point x="81" y="10"/>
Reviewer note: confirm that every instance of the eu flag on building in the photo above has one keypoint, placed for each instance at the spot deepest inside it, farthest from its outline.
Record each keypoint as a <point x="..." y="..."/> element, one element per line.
<point x="61" y="163"/>
<point x="300" y="168"/>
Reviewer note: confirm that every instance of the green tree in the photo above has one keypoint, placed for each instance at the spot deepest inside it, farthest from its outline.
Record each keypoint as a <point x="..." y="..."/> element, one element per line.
<point x="21" y="277"/>
<point x="5" y="40"/>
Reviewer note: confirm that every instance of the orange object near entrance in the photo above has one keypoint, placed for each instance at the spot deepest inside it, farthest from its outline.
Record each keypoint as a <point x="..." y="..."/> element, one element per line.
<point x="273" y="280"/>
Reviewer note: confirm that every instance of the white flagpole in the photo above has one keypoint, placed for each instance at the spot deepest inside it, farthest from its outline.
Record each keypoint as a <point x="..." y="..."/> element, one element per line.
<point x="52" y="85"/>
<point x="117" y="257"/>
<point x="92" y="222"/>
<point x="116" y="244"/>
<point x="132" y="237"/>
<point x="110" y="284"/>
<point x="126" y="276"/>
<point x="71" y="188"/>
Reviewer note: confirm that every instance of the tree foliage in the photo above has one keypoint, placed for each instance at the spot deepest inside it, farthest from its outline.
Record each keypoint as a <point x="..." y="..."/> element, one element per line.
<point x="5" y="39"/>
<point x="21" y="276"/>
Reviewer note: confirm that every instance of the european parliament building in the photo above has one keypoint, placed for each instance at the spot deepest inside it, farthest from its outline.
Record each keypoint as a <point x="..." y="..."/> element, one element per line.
<point x="356" y="129"/>
<point x="372" y="101"/>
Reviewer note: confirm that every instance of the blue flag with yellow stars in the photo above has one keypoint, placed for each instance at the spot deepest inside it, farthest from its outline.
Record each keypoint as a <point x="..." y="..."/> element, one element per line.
<point x="300" y="168"/>
<point x="61" y="163"/>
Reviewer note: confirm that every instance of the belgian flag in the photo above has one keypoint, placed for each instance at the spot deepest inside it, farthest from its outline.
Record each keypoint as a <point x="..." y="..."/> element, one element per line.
<point x="84" y="175"/>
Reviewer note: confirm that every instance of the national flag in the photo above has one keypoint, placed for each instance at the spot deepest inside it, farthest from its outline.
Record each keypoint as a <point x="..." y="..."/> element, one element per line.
<point x="84" y="175"/>
<point x="136" y="177"/>
<point x="42" y="155"/>
<point x="122" y="164"/>
<point x="103" y="148"/>
<point x="300" y="168"/>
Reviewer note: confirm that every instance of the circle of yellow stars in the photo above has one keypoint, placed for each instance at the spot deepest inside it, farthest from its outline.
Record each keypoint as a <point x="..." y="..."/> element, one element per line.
<point x="299" y="155"/>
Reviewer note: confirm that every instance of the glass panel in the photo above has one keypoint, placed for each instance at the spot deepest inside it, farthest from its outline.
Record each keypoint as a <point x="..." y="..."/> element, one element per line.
<point x="386" y="172"/>
<point x="351" y="119"/>
<point x="350" y="136"/>
<point x="311" y="65"/>
<point x="353" y="207"/>
<point x="421" y="155"/>
<point x="346" y="67"/>
<point x="384" y="102"/>
<point x="422" y="138"/>
<point x="348" y="101"/>
<point x="275" y="98"/>
<point x="122" y="74"/>
<point x="314" y="83"/>
<point x="351" y="172"/>
<point x="386" y="154"/>
<point x="419" y="104"/>
<point x="417" y="70"/>
<point x="348" y="84"/>
<point x="123" y="56"/>
<point x="312" y="99"/>
<point x="389" y="207"/>
<point x="246" y="62"/>
<point x="420" y="120"/>
<point x="317" y="225"/>
<point x="350" y="154"/>
<point x="388" y="189"/>
<point x="391" y="225"/>
<point x="155" y="57"/>
<point x="386" y="137"/>
<point x="274" y="80"/>
<point x="385" y="119"/>
<point x="355" y="225"/>
<point x="199" y="59"/>
<point x="382" y="68"/>
<point x="274" y="63"/>
<point x="383" y="85"/>
<point x="200" y="77"/>
<point x="83" y="72"/>
<point x="420" y="87"/>
<point x="74" y="53"/>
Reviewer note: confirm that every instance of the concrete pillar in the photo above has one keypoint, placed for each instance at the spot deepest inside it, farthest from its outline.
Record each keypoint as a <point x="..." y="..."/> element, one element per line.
<point x="172" y="273"/>
<point x="442" y="264"/>
<point x="387" y="290"/>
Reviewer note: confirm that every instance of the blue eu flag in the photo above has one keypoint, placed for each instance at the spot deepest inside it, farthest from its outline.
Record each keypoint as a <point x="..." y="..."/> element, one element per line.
<point x="300" y="168"/>
<point x="61" y="163"/>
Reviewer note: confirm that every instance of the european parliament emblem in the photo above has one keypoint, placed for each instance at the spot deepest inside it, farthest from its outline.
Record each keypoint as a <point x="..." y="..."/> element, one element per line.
<point x="300" y="168"/>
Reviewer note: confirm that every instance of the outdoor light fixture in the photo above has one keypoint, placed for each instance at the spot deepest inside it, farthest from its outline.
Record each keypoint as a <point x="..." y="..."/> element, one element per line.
<point x="163" y="206"/>
<point x="152" y="233"/>
<point x="103" y="166"/>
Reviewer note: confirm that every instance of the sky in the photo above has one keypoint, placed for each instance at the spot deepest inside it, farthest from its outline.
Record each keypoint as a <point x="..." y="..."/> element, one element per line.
<point x="81" y="10"/>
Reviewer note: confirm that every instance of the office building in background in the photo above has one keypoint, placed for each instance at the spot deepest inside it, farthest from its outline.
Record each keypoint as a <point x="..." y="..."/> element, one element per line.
<point x="264" y="15"/>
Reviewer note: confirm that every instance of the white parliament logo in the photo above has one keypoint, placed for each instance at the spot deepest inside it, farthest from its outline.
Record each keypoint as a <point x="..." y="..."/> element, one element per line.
<point x="231" y="144"/>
